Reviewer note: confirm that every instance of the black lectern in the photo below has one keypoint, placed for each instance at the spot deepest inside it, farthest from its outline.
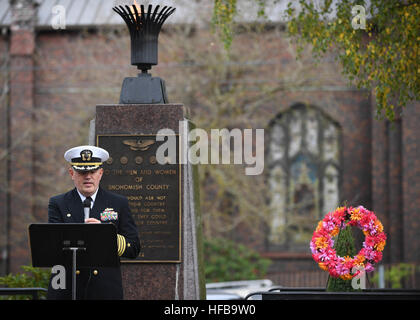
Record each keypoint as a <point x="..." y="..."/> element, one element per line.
<point x="90" y="245"/>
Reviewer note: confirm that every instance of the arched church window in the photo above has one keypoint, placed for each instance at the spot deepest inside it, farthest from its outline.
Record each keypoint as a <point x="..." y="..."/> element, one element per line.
<point x="303" y="176"/>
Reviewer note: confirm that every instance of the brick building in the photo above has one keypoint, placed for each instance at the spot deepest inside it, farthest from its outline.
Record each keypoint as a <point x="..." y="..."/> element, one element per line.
<point x="323" y="144"/>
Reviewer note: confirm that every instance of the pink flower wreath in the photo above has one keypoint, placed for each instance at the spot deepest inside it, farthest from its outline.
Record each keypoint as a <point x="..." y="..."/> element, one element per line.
<point x="322" y="242"/>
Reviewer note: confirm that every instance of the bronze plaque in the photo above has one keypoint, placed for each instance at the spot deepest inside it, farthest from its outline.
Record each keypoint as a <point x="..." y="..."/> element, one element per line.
<point x="153" y="191"/>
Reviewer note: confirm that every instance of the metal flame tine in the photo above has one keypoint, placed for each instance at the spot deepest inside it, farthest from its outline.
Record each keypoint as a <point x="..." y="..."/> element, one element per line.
<point x="166" y="12"/>
<point x="169" y="12"/>
<point x="123" y="14"/>
<point x="155" y="12"/>
<point x="137" y="18"/>
<point x="151" y="24"/>
<point x="118" y="10"/>
<point x="154" y="17"/>
<point x="124" y="11"/>
<point x="149" y="10"/>
<point x="162" y="15"/>
<point x="143" y="13"/>
<point x="149" y="16"/>
<point x="130" y="15"/>
<point x="143" y="18"/>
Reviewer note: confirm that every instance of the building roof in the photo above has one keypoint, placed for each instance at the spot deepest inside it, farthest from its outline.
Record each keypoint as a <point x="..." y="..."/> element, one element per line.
<point x="99" y="12"/>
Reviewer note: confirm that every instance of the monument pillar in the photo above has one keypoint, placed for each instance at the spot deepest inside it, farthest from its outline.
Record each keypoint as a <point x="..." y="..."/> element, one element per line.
<point x="163" y="199"/>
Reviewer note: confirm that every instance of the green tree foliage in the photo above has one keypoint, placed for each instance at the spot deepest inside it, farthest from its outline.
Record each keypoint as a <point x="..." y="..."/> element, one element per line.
<point x="228" y="261"/>
<point x="30" y="278"/>
<point x="383" y="57"/>
<point x="344" y="246"/>
<point x="222" y="21"/>
<point x="224" y="12"/>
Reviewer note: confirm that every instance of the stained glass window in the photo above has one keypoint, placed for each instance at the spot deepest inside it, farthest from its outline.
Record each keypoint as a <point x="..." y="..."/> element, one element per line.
<point x="304" y="175"/>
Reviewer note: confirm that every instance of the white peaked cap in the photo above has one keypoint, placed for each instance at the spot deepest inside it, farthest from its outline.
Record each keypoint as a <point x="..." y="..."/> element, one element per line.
<point x="86" y="158"/>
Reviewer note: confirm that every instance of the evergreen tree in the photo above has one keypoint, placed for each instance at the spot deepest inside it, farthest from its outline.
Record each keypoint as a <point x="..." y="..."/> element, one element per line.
<point x="344" y="246"/>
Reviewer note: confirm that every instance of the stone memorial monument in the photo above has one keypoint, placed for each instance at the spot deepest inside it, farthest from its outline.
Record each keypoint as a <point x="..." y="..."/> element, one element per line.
<point x="163" y="197"/>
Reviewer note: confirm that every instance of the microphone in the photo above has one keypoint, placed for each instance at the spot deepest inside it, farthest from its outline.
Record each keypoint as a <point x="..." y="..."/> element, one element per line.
<point x="86" y="207"/>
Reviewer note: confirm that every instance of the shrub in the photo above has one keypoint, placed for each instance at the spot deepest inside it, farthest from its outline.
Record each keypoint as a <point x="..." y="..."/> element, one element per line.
<point x="226" y="260"/>
<point x="397" y="274"/>
<point x="30" y="278"/>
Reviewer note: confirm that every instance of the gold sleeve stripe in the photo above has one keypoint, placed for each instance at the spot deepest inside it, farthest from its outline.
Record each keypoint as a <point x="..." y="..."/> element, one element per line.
<point x="121" y="243"/>
<point x="118" y="244"/>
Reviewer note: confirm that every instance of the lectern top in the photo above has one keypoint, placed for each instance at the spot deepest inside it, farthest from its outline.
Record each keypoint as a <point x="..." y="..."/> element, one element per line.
<point x="47" y="241"/>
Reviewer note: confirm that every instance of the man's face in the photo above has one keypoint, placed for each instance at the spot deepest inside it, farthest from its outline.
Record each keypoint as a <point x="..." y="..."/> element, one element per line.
<point x="87" y="182"/>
